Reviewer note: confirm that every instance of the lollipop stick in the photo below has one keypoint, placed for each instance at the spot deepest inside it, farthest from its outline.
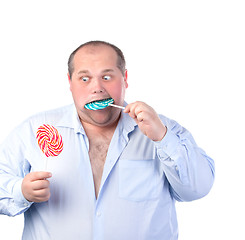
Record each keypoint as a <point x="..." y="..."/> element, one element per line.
<point x="46" y="164"/>
<point x="113" y="105"/>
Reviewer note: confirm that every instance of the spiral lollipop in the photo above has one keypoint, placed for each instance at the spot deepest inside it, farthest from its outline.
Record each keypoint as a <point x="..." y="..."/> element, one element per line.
<point x="101" y="104"/>
<point x="97" y="105"/>
<point x="49" y="140"/>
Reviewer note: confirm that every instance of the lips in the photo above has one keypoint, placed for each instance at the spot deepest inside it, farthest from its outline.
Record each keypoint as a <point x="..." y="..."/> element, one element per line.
<point x="99" y="104"/>
<point x="99" y="100"/>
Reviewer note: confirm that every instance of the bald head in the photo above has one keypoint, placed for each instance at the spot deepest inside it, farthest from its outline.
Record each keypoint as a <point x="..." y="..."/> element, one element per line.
<point x="120" y="57"/>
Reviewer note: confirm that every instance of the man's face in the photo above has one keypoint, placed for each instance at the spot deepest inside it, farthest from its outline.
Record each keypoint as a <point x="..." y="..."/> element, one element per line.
<point x="96" y="77"/>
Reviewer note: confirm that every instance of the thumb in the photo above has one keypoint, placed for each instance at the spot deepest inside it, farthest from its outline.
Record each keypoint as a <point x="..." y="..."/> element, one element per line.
<point x="34" y="176"/>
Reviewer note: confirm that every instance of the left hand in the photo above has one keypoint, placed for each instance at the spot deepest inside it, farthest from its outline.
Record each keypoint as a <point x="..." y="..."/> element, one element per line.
<point x="147" y="119"/>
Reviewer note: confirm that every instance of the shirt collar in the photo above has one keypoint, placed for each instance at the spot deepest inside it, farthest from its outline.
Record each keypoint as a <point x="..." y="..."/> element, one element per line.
<point x="71" y="120"/>
<point x="126" y="124"/>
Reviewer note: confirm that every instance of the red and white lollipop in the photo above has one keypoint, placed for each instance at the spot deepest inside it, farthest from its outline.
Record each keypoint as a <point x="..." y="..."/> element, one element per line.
<point x="49" y="141"/>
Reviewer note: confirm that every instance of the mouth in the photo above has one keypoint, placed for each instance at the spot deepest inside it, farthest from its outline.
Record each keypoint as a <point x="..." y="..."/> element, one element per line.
<point x="99" y="104"/>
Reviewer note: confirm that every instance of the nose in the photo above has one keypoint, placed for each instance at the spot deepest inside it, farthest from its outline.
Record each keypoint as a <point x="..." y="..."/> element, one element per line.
<point x="97" y="86"/>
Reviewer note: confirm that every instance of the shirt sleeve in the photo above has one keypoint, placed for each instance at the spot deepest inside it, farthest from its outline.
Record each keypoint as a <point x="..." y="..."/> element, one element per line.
<point x="13" y="168"/>
<point x="187" y="167"/>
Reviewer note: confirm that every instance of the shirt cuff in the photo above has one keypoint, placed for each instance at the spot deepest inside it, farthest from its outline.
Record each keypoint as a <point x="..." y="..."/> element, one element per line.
<point x="19" y="199"/>
<point x="167" y="146"/>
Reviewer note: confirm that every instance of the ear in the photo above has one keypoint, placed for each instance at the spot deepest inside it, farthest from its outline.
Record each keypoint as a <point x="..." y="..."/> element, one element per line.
<point x="126" y="78"/>
<point x="69" y="79"/>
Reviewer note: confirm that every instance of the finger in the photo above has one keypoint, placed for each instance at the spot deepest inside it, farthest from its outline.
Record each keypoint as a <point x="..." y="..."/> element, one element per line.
<point x="140" y="116"/>
<point x="40" y="184"/>
<point x="127" y="108"/>
<point x="130" y="106"/>
<point x="131" y="113"/>
<point x="139" y="112"/>
<point x="131" y="110"/>
<point x="34" y="176"/>
<point x="42" y="195"/>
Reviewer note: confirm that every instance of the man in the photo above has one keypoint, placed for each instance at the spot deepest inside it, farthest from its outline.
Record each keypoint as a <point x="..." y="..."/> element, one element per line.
<point x="119" y="173"/>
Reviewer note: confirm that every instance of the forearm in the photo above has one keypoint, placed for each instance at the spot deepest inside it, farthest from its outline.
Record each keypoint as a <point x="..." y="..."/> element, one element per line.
<point x="12" y="201"/>
<point x="13" y="168"/>
<point x="188" y="169"/>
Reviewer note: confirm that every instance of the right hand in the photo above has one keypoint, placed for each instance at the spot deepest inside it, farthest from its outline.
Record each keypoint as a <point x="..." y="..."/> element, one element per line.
<point x="35" y="186"/>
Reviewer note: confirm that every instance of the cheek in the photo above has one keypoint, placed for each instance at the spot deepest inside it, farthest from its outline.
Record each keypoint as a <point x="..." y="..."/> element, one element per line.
<point x="78" y="93"/>
<point x="117" y="93"/>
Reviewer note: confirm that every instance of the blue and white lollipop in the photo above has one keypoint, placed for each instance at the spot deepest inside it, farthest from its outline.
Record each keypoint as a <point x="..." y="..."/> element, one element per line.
<point x="101" y="104"/>
<point x="97" y="105"/>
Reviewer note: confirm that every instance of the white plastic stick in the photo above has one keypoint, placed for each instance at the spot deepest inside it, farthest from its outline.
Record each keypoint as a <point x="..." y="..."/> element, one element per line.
<point x="46" y="164"/>
<point x="113" y="105"/>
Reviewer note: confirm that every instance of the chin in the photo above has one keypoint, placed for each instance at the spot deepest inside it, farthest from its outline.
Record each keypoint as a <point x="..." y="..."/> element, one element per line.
<point x="106" y="121"/>
<point x="101" y="118"/>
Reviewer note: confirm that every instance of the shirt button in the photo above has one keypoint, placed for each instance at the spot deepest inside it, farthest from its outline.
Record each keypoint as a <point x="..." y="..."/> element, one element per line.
<point x="98" y="214"/>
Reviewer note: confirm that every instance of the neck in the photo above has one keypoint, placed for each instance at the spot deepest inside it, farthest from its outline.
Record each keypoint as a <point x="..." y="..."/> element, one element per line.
<point x="92" y="129"/>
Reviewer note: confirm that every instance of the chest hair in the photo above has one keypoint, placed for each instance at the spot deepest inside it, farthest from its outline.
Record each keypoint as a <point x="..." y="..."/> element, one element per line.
<point x="98" y="149"/>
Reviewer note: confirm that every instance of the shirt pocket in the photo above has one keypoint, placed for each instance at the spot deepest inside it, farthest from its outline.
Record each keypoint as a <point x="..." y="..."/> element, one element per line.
<point x="138" y="180"/>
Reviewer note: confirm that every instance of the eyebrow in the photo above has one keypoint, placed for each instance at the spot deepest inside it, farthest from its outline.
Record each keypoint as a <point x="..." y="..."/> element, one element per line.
<point x="107" y="70"/>
<point x="82" y="72"/>
<point x="104" y="71"/>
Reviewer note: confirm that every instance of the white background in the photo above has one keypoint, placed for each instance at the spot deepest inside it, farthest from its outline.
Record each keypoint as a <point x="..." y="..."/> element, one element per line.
<point x="184" y="58"/>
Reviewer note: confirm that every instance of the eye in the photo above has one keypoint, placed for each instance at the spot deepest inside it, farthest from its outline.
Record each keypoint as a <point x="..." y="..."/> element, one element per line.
<point x="106" y="77"/>
<point x="84" y="79"/>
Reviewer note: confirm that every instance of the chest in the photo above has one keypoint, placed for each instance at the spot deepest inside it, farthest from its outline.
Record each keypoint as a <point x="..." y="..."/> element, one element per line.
<point x="97" y="153"/>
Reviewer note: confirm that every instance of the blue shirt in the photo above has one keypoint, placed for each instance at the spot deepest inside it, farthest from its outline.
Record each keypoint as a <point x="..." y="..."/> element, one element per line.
<point x="140" y="183"/>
